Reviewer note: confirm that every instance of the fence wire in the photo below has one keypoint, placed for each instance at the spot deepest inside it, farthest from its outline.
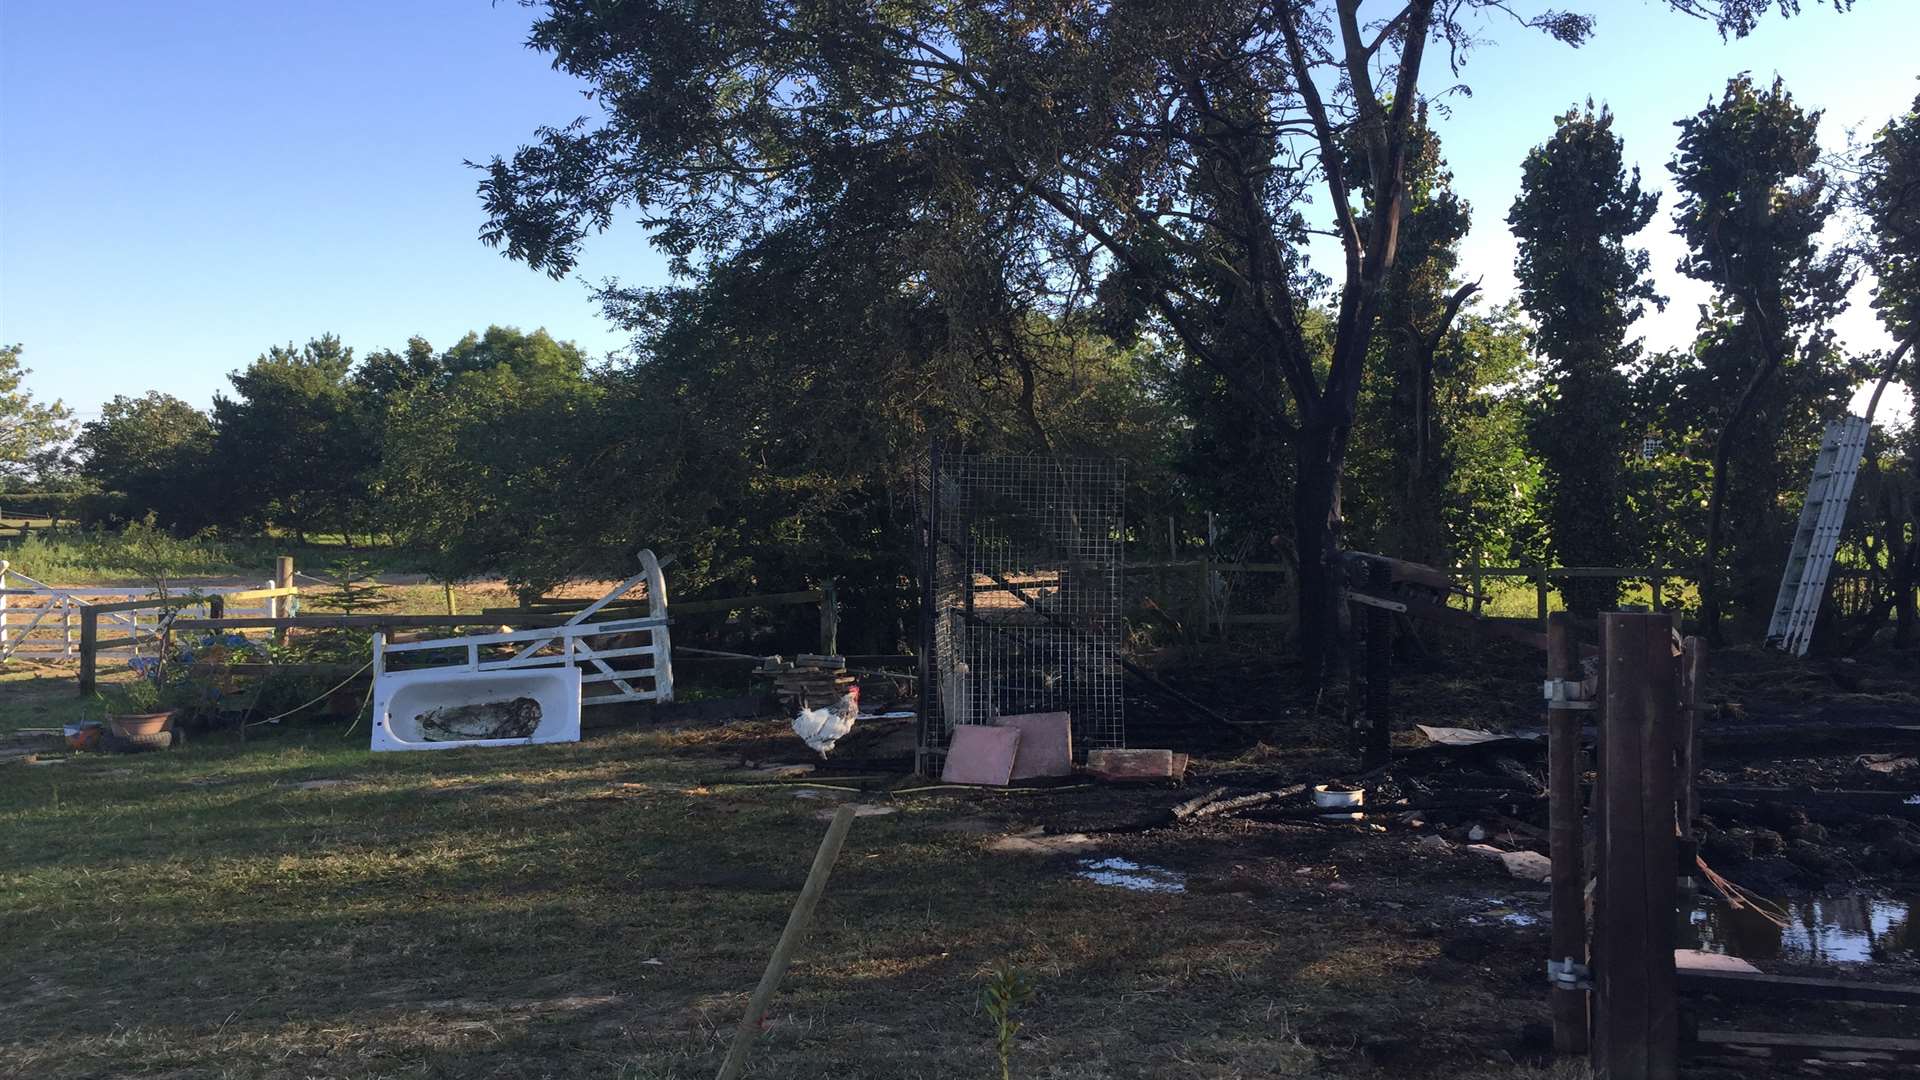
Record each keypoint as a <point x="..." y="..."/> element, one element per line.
<point x="1021" y="560"/>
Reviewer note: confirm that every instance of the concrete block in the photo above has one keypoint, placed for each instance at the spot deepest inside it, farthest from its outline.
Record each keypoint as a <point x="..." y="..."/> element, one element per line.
<point x="1046" y="744"/>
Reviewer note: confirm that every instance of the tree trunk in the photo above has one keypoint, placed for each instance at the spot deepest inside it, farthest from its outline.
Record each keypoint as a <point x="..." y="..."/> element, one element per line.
<point x="1904" y="615"/>
<point x="1316" y="508"/>
<point x="1716" y="502"/>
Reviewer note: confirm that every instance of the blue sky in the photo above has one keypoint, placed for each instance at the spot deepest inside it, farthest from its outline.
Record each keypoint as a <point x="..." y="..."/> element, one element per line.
<point x="183" y="184"/>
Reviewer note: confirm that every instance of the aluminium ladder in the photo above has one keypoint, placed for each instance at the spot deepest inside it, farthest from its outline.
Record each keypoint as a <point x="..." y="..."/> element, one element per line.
<point x="1822" y="516"/>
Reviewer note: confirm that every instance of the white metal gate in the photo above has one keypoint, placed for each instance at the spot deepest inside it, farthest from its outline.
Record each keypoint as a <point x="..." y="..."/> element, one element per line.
<point x="572" y="645"/>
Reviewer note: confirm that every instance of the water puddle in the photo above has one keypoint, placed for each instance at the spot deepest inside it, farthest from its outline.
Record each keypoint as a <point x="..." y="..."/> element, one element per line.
<point x="1505" y="913"/>
<point x="1853" y="929"/>
<point x="1137" y="877"/>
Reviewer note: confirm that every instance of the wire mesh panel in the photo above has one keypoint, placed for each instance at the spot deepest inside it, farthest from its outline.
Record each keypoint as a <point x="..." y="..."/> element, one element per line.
<point x="1021" y="577"/>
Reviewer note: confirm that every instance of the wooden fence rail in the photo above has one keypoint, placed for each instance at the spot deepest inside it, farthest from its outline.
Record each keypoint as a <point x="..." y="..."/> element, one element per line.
<point x="1474" y="573"/>
<point x="547" y="614"/>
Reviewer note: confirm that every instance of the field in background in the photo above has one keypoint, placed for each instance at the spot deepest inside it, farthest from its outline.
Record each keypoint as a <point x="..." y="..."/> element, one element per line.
<point x="76" y="557"/>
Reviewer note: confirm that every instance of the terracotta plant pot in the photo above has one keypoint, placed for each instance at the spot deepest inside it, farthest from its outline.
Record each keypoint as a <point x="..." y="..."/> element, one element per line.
<point x="141" y="723"/>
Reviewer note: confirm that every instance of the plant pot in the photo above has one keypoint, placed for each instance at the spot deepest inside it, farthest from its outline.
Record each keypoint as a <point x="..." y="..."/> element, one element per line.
<point x="1323" y="797"/>
<point x="141" y="723"/>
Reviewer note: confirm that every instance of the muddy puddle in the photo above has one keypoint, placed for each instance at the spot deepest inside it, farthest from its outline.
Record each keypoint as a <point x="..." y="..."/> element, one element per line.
<point x="1133" y="876"/>
<point x="1851" y="929"/>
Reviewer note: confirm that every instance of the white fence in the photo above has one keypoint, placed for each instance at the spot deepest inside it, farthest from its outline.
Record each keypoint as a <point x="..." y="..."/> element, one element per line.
<point x="42" y="622"/>
<point x="578" y="643"/>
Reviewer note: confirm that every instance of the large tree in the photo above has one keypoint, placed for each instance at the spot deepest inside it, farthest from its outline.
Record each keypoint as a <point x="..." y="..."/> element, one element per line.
<point x="1584" y="287"/>
<point x="1156" y="157"/>
<point x="1887" y="197"/>
<point x="1401" y="451"/>
<point x="1765" y="369"/>
<point x="287" y="441"/>
<point x="31" y="432"/>
<point x="153" y="450"/>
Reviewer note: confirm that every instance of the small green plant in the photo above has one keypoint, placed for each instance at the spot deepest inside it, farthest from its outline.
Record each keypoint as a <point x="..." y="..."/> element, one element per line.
<point x="354" y="590"/>
<point x="134" y="698"/>
<point x="1006" y="991"/>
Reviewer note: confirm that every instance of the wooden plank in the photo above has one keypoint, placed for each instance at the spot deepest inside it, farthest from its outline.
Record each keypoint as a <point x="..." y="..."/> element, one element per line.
<point x="1759" y="986"/>
<point x="1637" y="1022"/>
<point x="1805" y="1045"/>
<point x="1660" y="690"/>
<point x="256" y="594"/>
<point x="1565" y="840"/>
<point x="126" y="642"/>
<point x="797" y="921"/>
<point x="694" y="607"/>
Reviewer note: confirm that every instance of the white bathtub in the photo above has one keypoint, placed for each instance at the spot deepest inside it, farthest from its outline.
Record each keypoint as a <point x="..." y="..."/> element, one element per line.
<point x="434" y="708"/>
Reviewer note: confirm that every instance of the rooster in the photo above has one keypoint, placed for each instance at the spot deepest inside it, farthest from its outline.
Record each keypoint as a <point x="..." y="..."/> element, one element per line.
<point x="821" y="728"/>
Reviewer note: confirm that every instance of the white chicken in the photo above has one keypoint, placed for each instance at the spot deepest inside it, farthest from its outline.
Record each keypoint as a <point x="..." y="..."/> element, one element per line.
<point x="821" y="728"/>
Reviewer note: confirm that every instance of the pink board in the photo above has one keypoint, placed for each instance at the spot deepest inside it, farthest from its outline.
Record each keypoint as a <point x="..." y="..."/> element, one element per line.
<point x="1046" y="744"/>
<point x="979" y="754"/>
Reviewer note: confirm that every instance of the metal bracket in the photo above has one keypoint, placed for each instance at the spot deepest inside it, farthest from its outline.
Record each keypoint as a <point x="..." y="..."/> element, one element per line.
<point x="1569" y="974"/>
<point x="1565" y="694"/>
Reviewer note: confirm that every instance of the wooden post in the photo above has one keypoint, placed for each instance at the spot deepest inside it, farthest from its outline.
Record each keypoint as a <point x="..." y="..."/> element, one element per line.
<point x="3" y="605"/>
<point x="447" y="587"/>
<point x="216" y="606"/>
<point x="1636" y="1022"/>
<point x="1693" y="673"/>
<point x="829" y="620"/>
<point x="1540" y="594"/>
<point x="283" y="606"/>
<point x="1379" y="746"/>
<point x="89" y="635"/>
<point x="789" y="938"/>
<point x="1474" y="579"/>
<point x="1564" y="832"/>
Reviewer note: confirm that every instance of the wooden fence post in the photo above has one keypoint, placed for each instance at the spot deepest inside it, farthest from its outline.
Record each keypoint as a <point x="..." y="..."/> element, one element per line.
<point x="89" y="636"/>
<point x="1379" y="745"/>
<point x="1636" y="1022"/>
<point x="1693" y="673"/>
<point x="3" y="605"/>
<point x="1565" y="834"/>
<point x="1541" y="595"/>
<point x="1474" y="580"/>
<point x="829" y="620"/>
<point x="283" y="606"/>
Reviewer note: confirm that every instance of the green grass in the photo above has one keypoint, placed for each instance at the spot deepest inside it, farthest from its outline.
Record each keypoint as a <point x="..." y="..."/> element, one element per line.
<point x="84" y="557"/>
<point x="1513" y="598"/>
<point x="602" y="910"/>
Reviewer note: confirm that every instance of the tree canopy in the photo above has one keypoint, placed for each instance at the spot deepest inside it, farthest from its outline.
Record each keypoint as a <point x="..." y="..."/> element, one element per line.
<point x="31" y="432"/>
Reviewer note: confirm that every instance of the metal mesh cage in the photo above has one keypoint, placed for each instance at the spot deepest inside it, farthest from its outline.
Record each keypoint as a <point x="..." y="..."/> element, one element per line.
<point x="1020" y="578"/>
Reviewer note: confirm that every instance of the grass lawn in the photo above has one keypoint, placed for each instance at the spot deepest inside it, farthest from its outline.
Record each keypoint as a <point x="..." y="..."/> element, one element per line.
<point x="72" y="557"/>
<point x="293" y="906"/>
